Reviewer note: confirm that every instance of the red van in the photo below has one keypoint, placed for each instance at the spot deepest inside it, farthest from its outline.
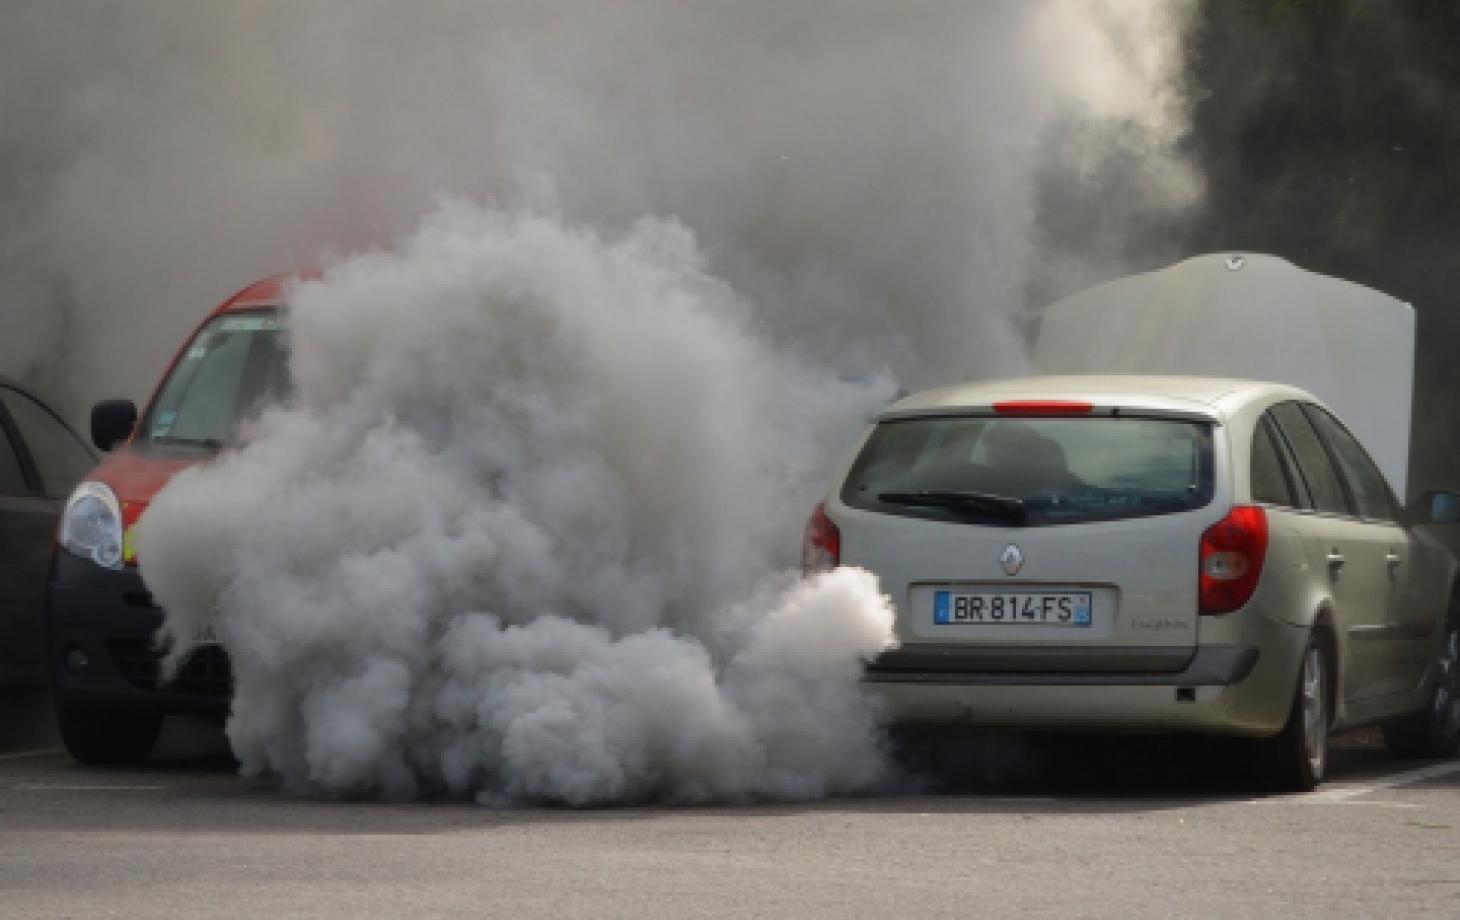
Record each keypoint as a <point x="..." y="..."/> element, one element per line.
<point x="100" y="618"/>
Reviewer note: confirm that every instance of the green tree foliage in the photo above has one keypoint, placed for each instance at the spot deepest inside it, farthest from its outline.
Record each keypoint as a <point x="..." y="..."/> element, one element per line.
<point x="1328" y="133"/>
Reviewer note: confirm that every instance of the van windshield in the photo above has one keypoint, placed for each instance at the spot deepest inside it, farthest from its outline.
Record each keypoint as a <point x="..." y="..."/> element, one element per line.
<point x="235" y="366"/>
<point x="1033" y="471"/>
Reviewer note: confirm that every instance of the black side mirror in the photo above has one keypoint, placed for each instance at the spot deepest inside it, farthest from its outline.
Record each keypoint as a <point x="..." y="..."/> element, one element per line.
<point x="1437" y="508"/>
<point x="112" y="421"/>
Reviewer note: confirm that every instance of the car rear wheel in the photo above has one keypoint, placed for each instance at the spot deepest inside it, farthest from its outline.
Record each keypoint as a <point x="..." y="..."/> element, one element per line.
<point x="1295" y="759"/>
<point x="1435" y="730"/>
<point x="107" y="737"/>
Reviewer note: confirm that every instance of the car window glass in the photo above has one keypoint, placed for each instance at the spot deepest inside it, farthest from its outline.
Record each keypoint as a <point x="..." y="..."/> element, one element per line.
<point x="59" y="455"/>
<point x="12" y="478"/>
<point x="1269" y="482"/>
<point x="236" y="365"/>
<point x="1301" y="496"/>
<point x="1367" y="484"/>
<point x="1313" y="460"/>
<point x="1048" y="470"/>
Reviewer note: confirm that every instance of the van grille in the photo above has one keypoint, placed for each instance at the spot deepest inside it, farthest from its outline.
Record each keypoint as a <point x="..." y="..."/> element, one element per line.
<point x="205" y="672"/>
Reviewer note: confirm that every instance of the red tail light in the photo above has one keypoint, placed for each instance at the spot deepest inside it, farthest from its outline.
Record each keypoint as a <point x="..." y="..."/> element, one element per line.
<point x="1043" y="407"/>
<point x="821" y="544"/>
<point x="1232" y="553"/>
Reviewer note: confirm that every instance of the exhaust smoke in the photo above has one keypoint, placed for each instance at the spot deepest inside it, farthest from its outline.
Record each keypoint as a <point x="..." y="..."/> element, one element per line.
<point x="864" y="173"/>
<point x="517" y="534"/>
<point x="500" y="544"/>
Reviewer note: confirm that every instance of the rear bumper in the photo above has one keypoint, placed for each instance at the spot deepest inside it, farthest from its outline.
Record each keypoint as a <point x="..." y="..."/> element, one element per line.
<point x="1211" y="665"/>
<point x="109" y="616"/>
<point x="1242" y="689"/>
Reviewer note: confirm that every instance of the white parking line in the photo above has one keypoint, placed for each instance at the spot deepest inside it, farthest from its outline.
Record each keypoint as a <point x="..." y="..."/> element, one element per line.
<point x="1346" y="794"/>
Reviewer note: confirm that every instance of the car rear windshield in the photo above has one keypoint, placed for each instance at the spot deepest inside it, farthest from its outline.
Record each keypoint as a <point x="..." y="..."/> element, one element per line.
<point x="1033" y="471"/>
<point x="234" y="366"/>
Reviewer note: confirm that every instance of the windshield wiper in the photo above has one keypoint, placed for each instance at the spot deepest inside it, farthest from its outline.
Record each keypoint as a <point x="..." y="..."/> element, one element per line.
<point x="207" y="443"/>
<point x="1006" y="507"/>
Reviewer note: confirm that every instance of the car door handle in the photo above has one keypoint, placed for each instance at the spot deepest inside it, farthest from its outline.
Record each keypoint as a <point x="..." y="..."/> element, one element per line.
<point x="1336" y="561"/>
<point x="1393" y="560"/>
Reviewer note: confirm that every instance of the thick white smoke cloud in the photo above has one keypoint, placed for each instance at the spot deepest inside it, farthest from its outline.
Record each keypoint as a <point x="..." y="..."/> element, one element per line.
<point x="513" y="539"/>
<point x="519" y="535"/>
<point x="861" y="170"/>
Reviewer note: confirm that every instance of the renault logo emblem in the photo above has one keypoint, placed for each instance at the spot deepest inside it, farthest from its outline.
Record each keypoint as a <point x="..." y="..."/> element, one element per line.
<point x="1011" y="559"/>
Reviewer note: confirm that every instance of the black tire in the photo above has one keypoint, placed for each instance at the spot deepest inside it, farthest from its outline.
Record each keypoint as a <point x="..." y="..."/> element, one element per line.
<point x="107" y="737"/>
<point x="1294" y="760"/>
<point x="1435" y="730"/>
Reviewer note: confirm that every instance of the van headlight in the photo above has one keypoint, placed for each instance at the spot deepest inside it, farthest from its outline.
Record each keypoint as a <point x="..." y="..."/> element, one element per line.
<point x="91" y="526"/>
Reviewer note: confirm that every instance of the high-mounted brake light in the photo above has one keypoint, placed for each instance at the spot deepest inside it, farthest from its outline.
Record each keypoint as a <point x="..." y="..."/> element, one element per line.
<point x="821" y="544"/>
<point x="1232" y="553"/>
<point x="1043" y="407"/>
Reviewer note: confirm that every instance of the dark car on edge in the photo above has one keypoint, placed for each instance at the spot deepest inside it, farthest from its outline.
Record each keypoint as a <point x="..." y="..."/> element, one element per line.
<point x="41" y="460"/>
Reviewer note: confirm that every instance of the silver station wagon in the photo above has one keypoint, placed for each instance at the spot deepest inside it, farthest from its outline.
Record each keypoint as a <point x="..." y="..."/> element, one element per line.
<point x="1149" y="554"/>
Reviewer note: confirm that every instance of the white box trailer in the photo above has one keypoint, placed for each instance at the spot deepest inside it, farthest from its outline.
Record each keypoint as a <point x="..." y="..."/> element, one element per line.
<point x="1256" y="317"/>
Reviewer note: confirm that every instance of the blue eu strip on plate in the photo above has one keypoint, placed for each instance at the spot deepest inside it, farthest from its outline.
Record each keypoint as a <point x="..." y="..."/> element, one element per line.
<point x="940" y="607"/>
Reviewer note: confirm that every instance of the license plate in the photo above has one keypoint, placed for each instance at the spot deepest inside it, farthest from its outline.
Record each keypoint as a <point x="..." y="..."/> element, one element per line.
<point x="1013" y="608"/>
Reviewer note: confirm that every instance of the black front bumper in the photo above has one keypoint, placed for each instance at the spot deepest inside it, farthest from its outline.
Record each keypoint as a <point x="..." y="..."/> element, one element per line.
<point x="109" y="615"/>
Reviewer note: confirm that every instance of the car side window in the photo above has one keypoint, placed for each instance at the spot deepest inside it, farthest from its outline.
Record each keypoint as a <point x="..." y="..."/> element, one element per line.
<point x="59" y="455"/>
<point x="1365" y="482"/>
<point x="12" y="477"/>
<point x="1315" y="465"/>
<point x="1270" y="483"/>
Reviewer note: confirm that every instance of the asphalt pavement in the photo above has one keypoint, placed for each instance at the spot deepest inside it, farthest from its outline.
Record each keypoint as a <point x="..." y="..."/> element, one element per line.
<point x="1088" y="828"/>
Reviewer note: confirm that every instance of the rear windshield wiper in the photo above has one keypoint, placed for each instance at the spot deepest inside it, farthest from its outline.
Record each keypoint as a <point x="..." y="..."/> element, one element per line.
<point x="1006" y="507"/>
